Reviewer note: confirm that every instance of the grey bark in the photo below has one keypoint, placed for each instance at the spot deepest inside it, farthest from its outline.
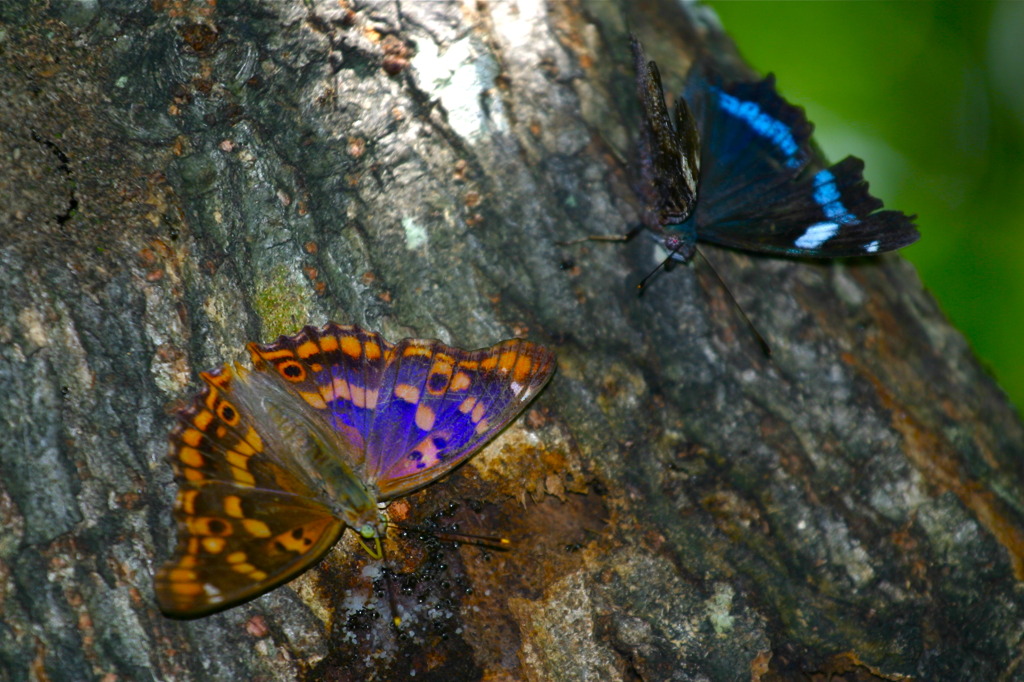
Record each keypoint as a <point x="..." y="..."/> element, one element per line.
<point x="179" y="179"/>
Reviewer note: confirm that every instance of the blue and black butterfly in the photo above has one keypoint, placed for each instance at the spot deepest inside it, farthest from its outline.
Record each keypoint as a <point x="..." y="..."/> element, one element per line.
<point x="737" y="168"/>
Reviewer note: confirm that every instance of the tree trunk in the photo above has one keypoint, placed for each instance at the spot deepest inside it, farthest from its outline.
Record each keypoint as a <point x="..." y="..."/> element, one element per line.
<point x="180" y="179"/>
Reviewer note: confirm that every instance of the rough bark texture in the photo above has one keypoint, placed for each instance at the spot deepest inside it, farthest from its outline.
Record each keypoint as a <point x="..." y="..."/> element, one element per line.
<point x="178" y="179"/>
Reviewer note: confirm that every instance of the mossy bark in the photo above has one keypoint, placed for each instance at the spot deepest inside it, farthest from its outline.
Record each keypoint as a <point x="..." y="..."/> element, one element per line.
<point x="180" y="178"/>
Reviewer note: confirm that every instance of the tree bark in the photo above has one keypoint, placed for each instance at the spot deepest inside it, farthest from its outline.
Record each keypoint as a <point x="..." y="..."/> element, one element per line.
<point x="180" y="179"/>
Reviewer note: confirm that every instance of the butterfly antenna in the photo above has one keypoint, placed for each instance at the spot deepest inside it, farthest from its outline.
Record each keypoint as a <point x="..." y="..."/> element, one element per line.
<point x="633" y="231"/>
<point x="643" y="283"/>
<point x="765" y="348"/>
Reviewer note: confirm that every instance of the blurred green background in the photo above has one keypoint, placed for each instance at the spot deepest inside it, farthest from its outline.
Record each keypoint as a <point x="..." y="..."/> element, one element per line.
<point x="931" y="96"/>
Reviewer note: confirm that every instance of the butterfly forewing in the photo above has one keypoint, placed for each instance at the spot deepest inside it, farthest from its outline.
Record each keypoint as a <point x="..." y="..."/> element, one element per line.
<point x="447" y="403"/>
<point x="669" y="156"/>
<point x="337" y="370"/>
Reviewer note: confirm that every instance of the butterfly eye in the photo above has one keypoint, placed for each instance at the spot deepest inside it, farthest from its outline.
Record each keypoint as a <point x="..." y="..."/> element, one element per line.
<point x="292" y="370"/>
<point x="227" y="413"/>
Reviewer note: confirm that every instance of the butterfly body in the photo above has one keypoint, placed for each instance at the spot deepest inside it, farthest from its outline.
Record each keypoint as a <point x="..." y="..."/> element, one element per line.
<point x="737" y="168"/>
<point x="275" y="462"/>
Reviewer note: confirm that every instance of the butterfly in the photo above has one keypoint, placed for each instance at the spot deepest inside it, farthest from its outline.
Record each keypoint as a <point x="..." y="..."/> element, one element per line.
<point x="273" y="463"/>
<point x="736" y="167"/>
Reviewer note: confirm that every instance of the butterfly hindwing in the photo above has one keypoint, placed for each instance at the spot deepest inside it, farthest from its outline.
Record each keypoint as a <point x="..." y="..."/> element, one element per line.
<point x="447" y="403"/>
<point x="828" y="214"/>
<point x="233" y="547"/>
<point x="245" y="521"/>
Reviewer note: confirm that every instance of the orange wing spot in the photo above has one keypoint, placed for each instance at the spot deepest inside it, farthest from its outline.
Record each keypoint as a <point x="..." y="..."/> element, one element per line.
<point x="243" y="477"/>
<point x="416" y="352"/>
<point x="190" y="457"/>
<point x="316" y="366"/>
<point x="290" y="542"/>
<point x="244" y="568"/>
<point x="233" y="506"/>
<point x="272" y="354"/>
<point x="425" y="417"/>
<point x="351" y="347"/>
<point x="228" y="413"/>
<point x="489" y="363"/>
<point x="192" y="437"/>
<point x="409" y="394"/>
<point x="342" y="389"/>
<point x="372" y="350"/>
<point x="190" y="561"/>
<point x="428" y="451"/>
<point x="237" y="460"/>
<point x="187" y="501"/>
<point x="440" y="374"/>
<point x="182" y="575"/>
<point x="214" y="545"/>
<point x="243" y="448"/>
<point x="315" y="400"/>
<point x="329" y="343"/>
<point x="187" y="589"/>
<point x="482" y="426"/>
<point x="460" y="382"/>
<point x="202" y="420"/>
<point x="258" y="575"/>
<point x="478" y="412"/>
<point x="253" y="438"/>
<point x="193" y="475"/>
<point x="212" y="398"/>
<point x="292" y="370"/>
<point x="523" y="369"/>
<point x="235" y="557"/>
<point x="471" y="365"/>
<point x="220" y="432"/>
<point x="363" y="398"/>
<point x="220" y="380"/>
<point x="466" y="405"/>
<point x="307" y="349"/>
<point x="371" y="399"/>
<point x="208" y="525"/>
<point x="507" y="360"/>
<point x="256" y="528"/>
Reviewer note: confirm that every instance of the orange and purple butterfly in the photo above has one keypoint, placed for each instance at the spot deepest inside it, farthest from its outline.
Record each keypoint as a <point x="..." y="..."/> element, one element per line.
<point x="273" y="463"/>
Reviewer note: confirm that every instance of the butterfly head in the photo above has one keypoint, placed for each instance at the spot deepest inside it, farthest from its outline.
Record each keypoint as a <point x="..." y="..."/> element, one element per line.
<point x="372" y="532"/>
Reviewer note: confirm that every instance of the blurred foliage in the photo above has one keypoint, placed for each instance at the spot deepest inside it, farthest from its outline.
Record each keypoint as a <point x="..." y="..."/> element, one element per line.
<point x="931" y="96"/>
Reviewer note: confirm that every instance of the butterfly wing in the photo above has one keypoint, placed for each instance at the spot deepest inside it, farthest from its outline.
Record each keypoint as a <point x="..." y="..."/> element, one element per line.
<point x="669" y="158"/>
<point x="828" y="214"/>
<point x="438" y="405"/>
<point x="761" y="190"/>
<point x="246" y="523"/>
<point x="337" y="370"/>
